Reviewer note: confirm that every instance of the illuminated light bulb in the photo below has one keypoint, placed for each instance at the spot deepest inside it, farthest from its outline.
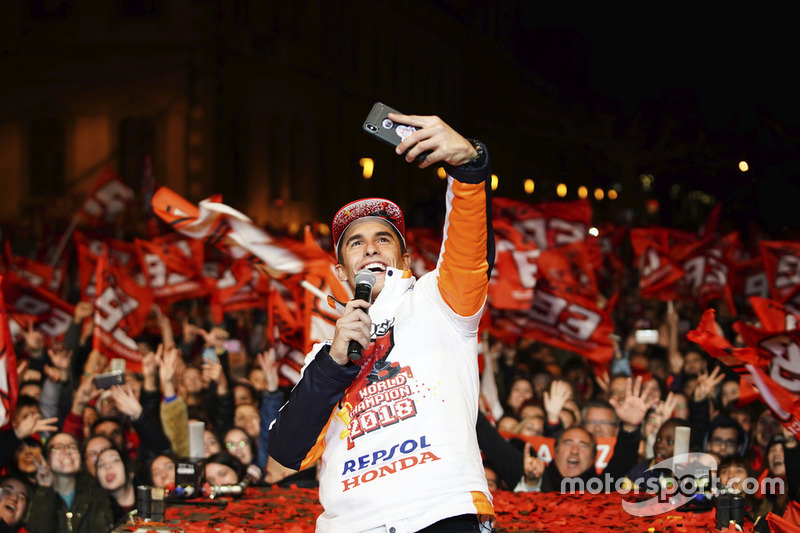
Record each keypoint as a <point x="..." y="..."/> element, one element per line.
<point x="561" y="190"/>
<point x="528" y="186"/>
<point x="599" y="194"/>
<point x="743" y="166"/>
<point x="495" y="182"/>
<point x="368" y="166"/>
<point x="583" y="192"/>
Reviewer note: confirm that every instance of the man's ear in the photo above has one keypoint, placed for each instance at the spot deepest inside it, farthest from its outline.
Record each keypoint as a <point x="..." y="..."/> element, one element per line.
<point x="406" y="261"/>
<point x="340" y="273"/>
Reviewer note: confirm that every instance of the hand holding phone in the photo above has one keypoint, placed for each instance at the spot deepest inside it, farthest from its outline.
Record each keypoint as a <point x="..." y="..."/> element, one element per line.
<point x="381" y="126"/>
<point x="109" y="379"/>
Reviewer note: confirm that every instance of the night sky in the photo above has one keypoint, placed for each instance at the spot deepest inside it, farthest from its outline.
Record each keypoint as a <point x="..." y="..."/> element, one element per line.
<point x="737" y="65"/>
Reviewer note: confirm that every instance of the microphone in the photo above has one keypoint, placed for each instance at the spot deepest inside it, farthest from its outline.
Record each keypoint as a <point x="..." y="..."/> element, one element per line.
<point x="365" y="280"/>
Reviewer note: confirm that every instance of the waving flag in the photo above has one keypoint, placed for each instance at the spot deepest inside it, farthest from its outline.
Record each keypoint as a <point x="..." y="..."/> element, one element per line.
<point x="173" y="267"/>
<point x="108" y="199"/>
<point x="546" y="224"/>
<point x="120" y="310"/>
<point x="750" y="365"/>
<point x="26" y="303"/>
<point x="8" y="365"/>
<point x="229" y="230"/>
<point x="121" y="254"/>
<point x="782" y="267"/>
<point x="658" y="271"/>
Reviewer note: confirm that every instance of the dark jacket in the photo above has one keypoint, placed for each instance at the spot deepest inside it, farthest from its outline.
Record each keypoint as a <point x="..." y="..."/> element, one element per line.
<point x="90" y="512"/>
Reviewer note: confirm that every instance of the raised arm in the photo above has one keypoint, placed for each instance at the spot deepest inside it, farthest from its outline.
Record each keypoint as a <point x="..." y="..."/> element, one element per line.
<point x="467" y="254"/>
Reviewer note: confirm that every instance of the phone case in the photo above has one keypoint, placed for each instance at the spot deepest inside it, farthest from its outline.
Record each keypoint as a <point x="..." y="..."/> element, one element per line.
<point x="379" y="125"/>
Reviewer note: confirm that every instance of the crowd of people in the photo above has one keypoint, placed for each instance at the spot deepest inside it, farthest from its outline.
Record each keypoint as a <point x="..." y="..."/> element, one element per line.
<point x="75" y="452"/>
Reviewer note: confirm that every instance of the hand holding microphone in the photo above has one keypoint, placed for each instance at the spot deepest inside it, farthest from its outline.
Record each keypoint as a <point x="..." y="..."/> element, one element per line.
<point x="353" y="329"/>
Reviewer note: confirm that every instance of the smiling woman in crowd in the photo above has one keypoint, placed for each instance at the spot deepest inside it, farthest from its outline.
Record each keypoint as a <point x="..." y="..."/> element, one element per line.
<point x="67" y="499"/>
<point x="15" y="495"/>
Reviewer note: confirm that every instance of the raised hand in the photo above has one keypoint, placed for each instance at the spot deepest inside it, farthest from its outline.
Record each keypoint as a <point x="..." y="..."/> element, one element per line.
<point x="534" y="467"/>
<point x="34" y="341"/>
<point x="44" y="476"/>
<point x="633" y="407"/>
<point x="554" y="401"/>
<point x="269" y="365"/>
<point x="707" y="384"/>
<point x="84" y="394"/>
<point x="126" y="401"/>
<point x="434" y="135"/>
<point x="34" y="423"/>
<point x="83" y="310"/>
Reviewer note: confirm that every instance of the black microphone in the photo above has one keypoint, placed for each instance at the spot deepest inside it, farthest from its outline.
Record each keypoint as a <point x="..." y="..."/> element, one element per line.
<point x="365" y="280"/>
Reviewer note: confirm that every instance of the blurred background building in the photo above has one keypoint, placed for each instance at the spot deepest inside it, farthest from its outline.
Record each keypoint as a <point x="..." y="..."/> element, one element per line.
<point x="263" y="102"/>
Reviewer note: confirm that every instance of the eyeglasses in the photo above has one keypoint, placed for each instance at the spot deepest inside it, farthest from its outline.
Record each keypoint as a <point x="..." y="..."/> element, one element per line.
<point x="61" y="448"/>
<point x="233" y="445"/>
<point x="725" y="443"/>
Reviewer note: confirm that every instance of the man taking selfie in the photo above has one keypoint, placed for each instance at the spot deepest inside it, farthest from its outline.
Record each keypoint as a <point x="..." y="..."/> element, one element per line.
<point x="395" y="424"/>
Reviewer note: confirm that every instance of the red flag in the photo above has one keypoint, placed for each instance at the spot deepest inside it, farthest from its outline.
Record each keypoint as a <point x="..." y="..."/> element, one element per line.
<point x="423" y="244"/>
<point x="8" y="365"/>
<point x="319" y="319"/>
<point x="234" y="285"/>
<point x="782" y="351"/>
<point x="782" y="266"/>
<point x="231" y="231"/>
<point x="658" y="271"/>
<point x="546" y="224"/>
<point x="565" y="311"/>
<point x="286" y="335"/>
<point x="749" y="364"/>
<point x="173" y="267"/>
<point x="748" y="280"/>
<point x="108" y="199"/>
<point x="779" y="524"/>
<point x="515" y="268"/>
<point x="26" y="303"/>
<point x="120" y="310"/>
<point x="706" y="266"/>
<point x="774" y="316"/>
<point x="121" y="254"/>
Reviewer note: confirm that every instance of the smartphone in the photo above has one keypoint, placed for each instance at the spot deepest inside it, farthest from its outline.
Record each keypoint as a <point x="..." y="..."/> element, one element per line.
<point x="381" y="126"/>
<point x="210" y="354"/>
<point x="109" y="379"/>
<point x="646" y="336"/>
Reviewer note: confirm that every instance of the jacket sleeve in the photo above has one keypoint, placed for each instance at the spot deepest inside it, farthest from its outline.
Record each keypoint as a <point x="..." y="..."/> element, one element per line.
<point x="270" y="404"/>
<point x="626" y="454"/>
<point x="175" y="420"/>
<point x="503" y="457"/>
<point x="296" y="437"/>
<point x="467" y="253"/>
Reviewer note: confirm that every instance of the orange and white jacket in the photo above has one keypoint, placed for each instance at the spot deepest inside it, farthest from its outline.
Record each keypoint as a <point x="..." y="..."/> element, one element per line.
<point x="396" y="435"/>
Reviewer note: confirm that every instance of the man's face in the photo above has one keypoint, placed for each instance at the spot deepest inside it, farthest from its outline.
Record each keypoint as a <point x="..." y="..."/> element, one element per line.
<point x="724" y="442"/>
<point x="370" y="243"/>
<point x="601" y="422"/>
<point x="574" y="453"/>
<point x="694" y="364"/>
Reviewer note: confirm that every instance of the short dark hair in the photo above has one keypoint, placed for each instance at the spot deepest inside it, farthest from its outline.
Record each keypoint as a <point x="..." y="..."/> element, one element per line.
<point x="227" y="459"/>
